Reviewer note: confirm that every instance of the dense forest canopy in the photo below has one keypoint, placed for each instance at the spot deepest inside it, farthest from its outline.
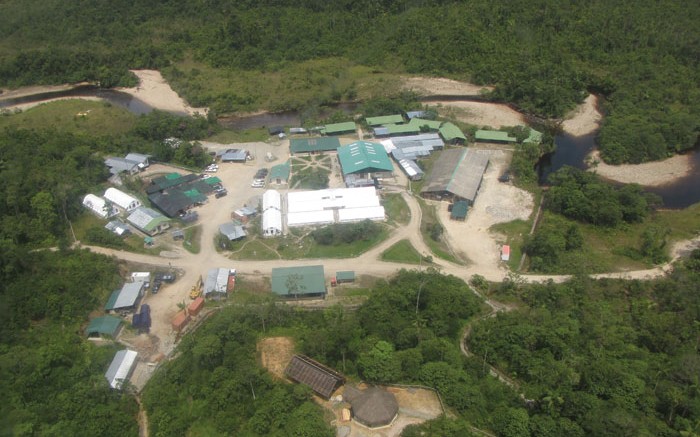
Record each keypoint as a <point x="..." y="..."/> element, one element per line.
<point x="544" y="56"/>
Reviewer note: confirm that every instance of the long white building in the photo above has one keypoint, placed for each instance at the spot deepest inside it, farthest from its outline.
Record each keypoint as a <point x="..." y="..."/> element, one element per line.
<point x="333" y="205"/>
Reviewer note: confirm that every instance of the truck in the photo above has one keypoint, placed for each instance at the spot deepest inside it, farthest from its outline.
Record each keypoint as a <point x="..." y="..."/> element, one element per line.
<point x="196" y="290"/>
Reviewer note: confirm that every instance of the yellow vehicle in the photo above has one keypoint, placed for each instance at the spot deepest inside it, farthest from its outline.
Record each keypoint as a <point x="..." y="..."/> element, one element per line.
<point x="196" y="290"/>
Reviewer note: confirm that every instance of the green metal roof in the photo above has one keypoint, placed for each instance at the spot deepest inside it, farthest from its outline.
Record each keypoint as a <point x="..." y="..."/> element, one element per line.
<point x="384" y="119"/>
<point x="308" y="279"/>
<point x="172" y="176"/>
<point x="459" y="209"/>
<point x="280" y="171"/>
<point x="363" y="156"/>
<point x="401" y="129"/>
<point x="105" y="325"/>
<point x="534" y="137"/>
<point x="433" y="125"/>
<point x="319" y="144"/>
<point x="494" y="135"/>
<point x="339" y="128"/>
<point x="212" y="181"/>
<point x="112" y="300"/>
<point x="451" y="132"/>
<point x="347" y="275"/>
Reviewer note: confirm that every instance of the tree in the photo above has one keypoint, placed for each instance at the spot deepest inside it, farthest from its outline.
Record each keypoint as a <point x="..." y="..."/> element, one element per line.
<point x="380" y="363"/>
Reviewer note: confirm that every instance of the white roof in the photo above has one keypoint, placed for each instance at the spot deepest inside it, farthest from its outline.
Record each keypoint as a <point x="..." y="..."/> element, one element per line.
<point x="358" y="214"/>
<point x="271" y="199"/>
<point x="128" y="295"/>
<point x="388" y="145"/>
<point x="310" y="218"/>
<point x="121" y="199"/>
<point x="97" y="204"/>
<point x="121" y="365"/>
<point x="337" y="198"/>
<point x="272" y="221"/>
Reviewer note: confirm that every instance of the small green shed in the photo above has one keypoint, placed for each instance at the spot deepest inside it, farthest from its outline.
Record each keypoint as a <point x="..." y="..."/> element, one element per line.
<point x="345" y="276"/>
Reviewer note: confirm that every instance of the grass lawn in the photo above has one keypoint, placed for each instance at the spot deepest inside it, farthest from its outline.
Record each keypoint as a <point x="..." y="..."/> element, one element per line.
<point x="252" y="248"/>
<point x="396" y="209"/>
<point x="311" y="173"/>
<point x="99" y="119"/>
<point x="515" y="232"/>
<point x="430" y="218"/>
<point x="133" y="243"/>
<point x="402" y="252"/>
<point x="294" y="247"/>
<point x="193" y="239"/>
<point x="227" y="136"/>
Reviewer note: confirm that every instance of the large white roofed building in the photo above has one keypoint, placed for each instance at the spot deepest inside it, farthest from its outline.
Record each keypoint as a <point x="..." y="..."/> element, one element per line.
<point x="333" y="205"/>
<point x="121" y="199"/>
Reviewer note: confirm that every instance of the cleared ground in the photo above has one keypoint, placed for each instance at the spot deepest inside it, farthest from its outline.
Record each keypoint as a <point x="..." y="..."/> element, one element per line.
<point x="275" y="354"/>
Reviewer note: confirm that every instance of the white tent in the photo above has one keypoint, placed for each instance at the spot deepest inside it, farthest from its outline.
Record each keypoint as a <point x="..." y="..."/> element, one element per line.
<point x="272" y="199"/>
<point x="98" y="206"/>
<point x="121" y="199"/>
<point x="271" y="222"/>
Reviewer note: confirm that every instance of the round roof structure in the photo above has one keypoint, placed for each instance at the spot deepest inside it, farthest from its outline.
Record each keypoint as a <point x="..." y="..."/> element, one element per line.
<point x="374" y="407"/>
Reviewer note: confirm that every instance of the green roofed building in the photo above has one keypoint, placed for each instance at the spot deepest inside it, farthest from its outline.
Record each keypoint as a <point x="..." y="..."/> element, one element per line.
<point x="339" y="128"/>
<point x="432" y="125"/>
<point x="212" y="180"/>
<point x="364" y="158"/>
<point x="299" y="282"/>
<point x="313" y="145"/>
<point x="279" y="174"/>
<point x="384" y="119"/>
<point x="345" y="276"/>
<point x="452" y="134"/>
<point x="402" y="129"/>
<point x="459" y="210"/>
<point x="104" y="326"/>
<point x="494" y="136"/>
<point x="535" y="137"/>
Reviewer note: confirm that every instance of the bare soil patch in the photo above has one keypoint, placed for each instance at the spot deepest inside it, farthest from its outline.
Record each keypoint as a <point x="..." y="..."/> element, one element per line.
<point x="156" y="92"/>
<point x="650" y="173"/>
<point x="584" y="119"/>
<point x="275" y="354"/>
<point x="442" y="86"/>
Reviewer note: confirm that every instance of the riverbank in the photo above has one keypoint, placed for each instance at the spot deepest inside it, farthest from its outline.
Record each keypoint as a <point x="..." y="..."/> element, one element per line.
<point x="440" y="86"/>
<point x="156" y="92"/>
<point x="651" y="174"/>
<point x="583" y="120"/>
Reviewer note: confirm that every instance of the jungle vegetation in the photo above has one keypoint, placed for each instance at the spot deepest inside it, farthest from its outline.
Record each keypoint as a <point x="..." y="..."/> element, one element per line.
<point x="641" y="56"/>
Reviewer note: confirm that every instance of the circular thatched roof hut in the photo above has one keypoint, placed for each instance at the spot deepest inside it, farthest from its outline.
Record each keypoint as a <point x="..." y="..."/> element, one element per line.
<point x="374" y="407"/>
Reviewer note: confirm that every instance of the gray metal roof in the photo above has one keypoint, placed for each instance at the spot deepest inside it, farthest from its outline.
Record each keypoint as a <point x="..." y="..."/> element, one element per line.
<point x="234" y="155"/>
<point x="128" y="295"/>
<point x="118" y="165"/>
<point x="120" y="367"/>
<point x="138" y="157"/>
<point x="232" y="231"/>
<point x="458" y="171"/>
